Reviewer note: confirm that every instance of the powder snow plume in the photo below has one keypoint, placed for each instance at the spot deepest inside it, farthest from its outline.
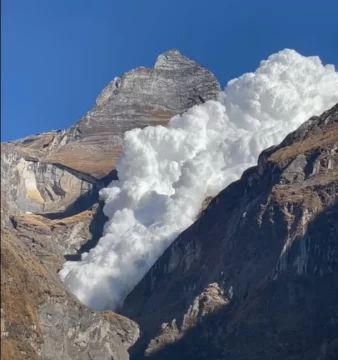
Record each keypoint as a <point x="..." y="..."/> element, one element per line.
<point x="165" y="173"/>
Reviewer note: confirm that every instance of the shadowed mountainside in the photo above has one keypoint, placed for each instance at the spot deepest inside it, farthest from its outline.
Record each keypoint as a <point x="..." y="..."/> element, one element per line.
<point x="256" y="275"/>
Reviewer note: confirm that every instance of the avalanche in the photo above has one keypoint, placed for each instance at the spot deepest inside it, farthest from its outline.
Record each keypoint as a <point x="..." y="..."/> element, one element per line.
<point x="165" y="173"/>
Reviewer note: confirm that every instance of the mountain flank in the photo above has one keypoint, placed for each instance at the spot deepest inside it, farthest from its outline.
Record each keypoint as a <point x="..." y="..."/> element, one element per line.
<point x="256" y="276"/>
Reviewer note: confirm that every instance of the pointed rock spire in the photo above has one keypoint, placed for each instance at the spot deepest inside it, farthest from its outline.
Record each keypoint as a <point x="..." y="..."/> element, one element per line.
<point x="173" y="60"/>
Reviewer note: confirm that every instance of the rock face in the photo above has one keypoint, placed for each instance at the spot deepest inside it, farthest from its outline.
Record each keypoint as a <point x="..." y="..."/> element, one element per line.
<point x="256" y="276"/>
<point x="40" y="320"/>
<point x="30" y="184"/>
<point x="136" y="99"/>
<point x="50" y="210"/>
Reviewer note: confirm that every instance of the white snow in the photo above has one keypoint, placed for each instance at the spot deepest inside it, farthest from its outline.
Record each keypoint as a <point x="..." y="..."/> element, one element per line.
<point x="165" y="173"/>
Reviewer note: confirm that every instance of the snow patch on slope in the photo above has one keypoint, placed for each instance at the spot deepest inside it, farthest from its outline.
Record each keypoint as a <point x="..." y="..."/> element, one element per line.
<point x="165" y="173"/>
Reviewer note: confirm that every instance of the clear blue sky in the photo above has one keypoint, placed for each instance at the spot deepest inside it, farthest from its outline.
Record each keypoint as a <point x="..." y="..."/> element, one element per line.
<point x="57" y="55"/>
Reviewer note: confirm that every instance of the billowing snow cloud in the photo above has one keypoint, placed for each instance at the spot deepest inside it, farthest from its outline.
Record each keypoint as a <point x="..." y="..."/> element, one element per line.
<point x="165" y="173"/>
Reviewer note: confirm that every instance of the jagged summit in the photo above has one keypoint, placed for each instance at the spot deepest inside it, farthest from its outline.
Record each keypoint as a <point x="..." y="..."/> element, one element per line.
<point x="173" y="59"/>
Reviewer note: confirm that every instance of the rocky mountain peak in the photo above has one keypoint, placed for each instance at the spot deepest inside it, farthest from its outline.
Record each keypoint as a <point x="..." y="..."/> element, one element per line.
<point x="87" y="151"/>
<point x="173" y="60"/>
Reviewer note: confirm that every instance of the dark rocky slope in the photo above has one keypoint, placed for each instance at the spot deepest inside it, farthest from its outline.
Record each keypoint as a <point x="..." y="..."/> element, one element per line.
<point x="256" y="277"/>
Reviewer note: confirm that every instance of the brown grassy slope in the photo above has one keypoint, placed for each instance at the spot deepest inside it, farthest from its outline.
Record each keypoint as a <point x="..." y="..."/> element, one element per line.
<point x="23" y="283"/>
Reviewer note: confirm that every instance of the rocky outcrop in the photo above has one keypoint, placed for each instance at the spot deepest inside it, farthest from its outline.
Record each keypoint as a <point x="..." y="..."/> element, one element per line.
<point x="60" y="238"/>
<point x="39" y="319"/>
<point x="256" y="276"/>
<point x="36" y="186"/>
